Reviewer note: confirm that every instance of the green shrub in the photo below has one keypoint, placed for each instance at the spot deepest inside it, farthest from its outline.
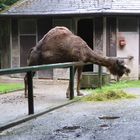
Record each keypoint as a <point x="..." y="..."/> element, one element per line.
<point x="5" y="3"/>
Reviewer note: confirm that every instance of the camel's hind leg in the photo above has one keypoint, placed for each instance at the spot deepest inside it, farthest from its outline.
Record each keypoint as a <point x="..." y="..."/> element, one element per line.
<point x="33" y="59"/>
<point x="26" y="84"/>
<point x="79" y="76"/>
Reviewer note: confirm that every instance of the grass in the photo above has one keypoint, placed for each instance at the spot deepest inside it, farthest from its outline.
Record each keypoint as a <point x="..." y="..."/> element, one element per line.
<point x="112" y="91"/>
<point x="9" y="87"/>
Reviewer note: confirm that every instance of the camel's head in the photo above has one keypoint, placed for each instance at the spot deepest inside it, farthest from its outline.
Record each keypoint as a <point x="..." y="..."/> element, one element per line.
<point x="119" y="68"/>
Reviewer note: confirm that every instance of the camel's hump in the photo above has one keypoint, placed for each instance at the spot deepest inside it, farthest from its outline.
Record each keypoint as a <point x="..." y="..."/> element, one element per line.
<point x="59" y="30"/>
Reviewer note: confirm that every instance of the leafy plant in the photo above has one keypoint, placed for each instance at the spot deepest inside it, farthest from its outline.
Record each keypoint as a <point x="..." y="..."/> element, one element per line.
<point x="5" y="3"/>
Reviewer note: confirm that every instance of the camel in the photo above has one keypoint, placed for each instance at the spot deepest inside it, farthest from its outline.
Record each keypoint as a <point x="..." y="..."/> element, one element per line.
<point x="60" y="45"/>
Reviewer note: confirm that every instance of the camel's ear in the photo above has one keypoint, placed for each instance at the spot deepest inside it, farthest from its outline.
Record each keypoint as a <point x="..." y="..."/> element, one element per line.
<point x="120" y="62"/>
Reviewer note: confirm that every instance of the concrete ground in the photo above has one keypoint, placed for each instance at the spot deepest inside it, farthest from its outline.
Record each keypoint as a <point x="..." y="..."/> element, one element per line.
<point x="48" y="94"/>
<point x="114" y="120"/>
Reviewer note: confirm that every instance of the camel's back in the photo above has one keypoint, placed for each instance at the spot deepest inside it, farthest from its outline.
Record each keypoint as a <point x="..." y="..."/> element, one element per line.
<point x="58" y="31"/>
<point x="61" y="44"/>
<point x="57" y="35"/>
<point x="61" y="37"/>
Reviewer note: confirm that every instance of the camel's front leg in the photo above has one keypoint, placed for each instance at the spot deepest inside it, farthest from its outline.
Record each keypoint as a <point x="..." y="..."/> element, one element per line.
<point x="79" y="73"/>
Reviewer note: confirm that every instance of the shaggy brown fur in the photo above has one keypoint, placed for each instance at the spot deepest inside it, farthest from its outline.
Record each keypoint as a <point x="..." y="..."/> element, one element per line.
<point x="61" y="45"/>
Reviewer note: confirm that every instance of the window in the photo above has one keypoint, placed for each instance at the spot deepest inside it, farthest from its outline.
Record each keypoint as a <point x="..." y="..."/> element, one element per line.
<point x="27" y="26"/>
<point x="127" y="24"/>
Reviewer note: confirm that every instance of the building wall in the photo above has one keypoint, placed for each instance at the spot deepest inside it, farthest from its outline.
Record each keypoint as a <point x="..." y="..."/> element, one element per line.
<point x="5" y="46"/>
<point x="129" y="31"/>
<point x="109" y="31"/>
<point x="15" y="51"/>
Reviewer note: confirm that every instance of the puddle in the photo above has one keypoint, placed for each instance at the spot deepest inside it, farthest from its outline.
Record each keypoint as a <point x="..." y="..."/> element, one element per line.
<point x="69" y="132"/>
<point x="67" y="129"/>
<point x="104" y="125"/>
<point x="109" y="117"/>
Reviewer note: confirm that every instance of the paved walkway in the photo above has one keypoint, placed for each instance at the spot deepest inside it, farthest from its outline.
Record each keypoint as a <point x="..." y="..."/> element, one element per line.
<point x="78" y="121"/>
<point x="48" y="94"/>
<point x="114" y="120"/>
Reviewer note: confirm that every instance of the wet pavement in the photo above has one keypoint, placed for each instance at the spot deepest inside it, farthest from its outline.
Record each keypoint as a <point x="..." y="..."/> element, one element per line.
<point x="113" y="120"/>
<point x="119" y="120"/>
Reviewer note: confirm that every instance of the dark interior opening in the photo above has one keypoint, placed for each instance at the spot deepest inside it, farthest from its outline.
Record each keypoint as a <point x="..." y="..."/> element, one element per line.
<point x="43" y="26"/>
<point x="85" y="31"/>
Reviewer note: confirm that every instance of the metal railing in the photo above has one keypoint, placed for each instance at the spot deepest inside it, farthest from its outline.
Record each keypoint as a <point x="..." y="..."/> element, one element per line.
<point x="30" y="69"/>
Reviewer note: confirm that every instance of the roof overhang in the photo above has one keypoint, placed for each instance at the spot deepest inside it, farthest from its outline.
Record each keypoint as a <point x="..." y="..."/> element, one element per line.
<point x="77" y="13"/>
<point x="72" y="7"/>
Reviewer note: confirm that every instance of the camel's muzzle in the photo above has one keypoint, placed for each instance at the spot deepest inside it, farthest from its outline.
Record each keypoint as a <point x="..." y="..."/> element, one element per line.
<point x="126" y="70"/>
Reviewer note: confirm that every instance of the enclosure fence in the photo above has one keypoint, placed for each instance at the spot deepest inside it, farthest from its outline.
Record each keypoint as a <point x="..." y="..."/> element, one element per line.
<point x="30" y="69"/>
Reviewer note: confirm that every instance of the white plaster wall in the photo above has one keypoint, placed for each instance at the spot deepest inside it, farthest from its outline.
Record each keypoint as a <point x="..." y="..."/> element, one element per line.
<point x="60" y="73"/>
<point x="131" y="49"/>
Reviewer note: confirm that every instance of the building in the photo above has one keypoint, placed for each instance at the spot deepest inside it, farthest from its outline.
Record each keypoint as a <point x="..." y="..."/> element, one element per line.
<point x="111" y="26"/>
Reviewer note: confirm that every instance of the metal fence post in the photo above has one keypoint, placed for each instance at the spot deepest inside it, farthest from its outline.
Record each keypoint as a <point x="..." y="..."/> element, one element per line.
<point x="100" y="76"/>
<point x="30" y="93"/>
<point x="71" y="82"/>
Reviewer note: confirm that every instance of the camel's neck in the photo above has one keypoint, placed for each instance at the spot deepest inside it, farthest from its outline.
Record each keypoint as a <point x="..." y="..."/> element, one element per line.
<point x="99" y="59"/>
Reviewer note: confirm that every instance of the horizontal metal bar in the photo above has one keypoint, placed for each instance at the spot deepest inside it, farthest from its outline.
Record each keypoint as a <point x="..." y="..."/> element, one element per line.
<point x="40" y="67"/>
<point x="127" y="57"/>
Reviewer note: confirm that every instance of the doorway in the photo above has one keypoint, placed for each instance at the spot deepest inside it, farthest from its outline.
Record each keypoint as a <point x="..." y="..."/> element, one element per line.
<point x="85" y="31"/>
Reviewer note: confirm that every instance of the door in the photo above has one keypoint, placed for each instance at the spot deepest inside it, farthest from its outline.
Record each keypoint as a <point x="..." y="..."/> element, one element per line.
<point x="85" y="31"/>
<point x="26" y="42"/>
